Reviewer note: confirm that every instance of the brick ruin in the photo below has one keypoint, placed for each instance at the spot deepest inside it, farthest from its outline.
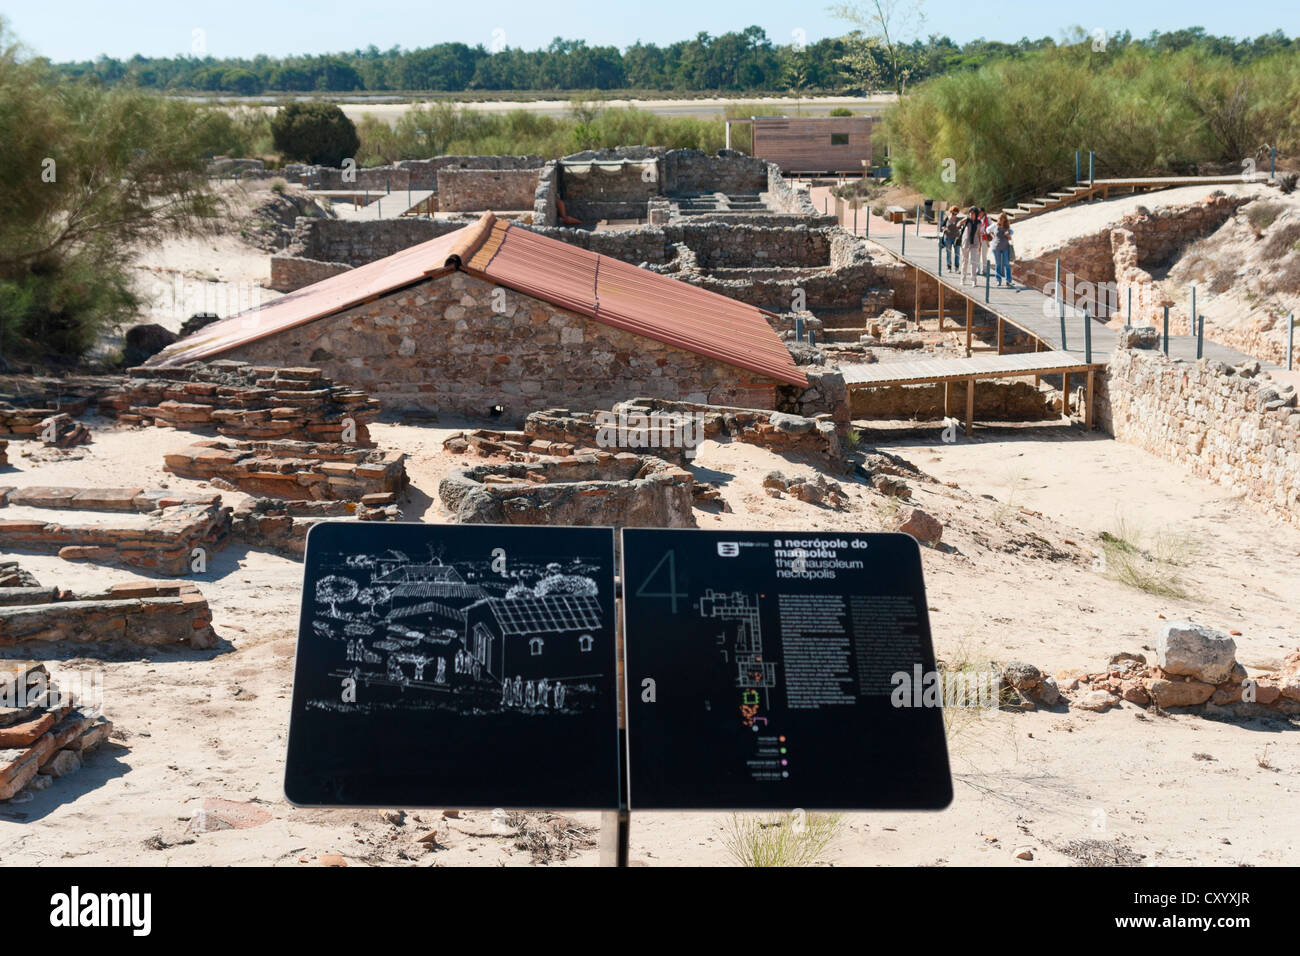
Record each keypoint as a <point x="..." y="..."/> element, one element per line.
<point x="585" y="489"/>
<point x="156" y="530"/>
<point x="48" y="735"/>
<point x="281" y="526"/>
<point x="124" y="615"/>
<point x="245" y="401"/>
<point x="291" y="469"/>
<point x="667" y="429"/>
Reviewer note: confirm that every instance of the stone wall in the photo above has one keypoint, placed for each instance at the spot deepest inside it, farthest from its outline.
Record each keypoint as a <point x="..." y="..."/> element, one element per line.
<point x="439" y="346"/>
<point x="686" y="171"/>
<point x="994" y="401"/>
<point x="607" y="190"/>
<point x="136" y="614"/>
<point x="545" y="211"/>
<point x="1124" y="253"/>
<point x="291" y="469"/>
<point x="356" y="243"/>
<point x="290" y="273"/>
<point x="405" y="174"/>
<point x="1236" y="427"/>
<point x="463" y="190"/>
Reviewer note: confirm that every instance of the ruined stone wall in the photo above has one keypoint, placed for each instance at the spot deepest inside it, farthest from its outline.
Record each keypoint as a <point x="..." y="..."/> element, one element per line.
<point x="462" y="190"/>
<point x="439" y="346"/>
<point x="289" y="273"/>
<point x="357" y="243"/>
<point x="607" y="191"/>
<point x="545" y="212"/>
<point x="687" y="171"/>
<point x="1124" y="253"/>
<point x="1235" y="427"/>
<point x="994" y="401"/>
<point x="405" y="174"/>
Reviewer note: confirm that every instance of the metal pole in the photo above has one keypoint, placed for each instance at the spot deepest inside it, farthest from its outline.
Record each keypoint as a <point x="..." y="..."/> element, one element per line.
<point x="1090" y="165"/>
<point x="940" y="244"/>
<point x="866" y="224"/>
<point x="855" y="218"/>
<point x="1166" y="331"/>
<point x="1128" y="309"/>
<point x="1192" y="329"/>
<point x="1290" y="339"/>
<point x="798" y="328"/>
<point x="986" y="285"/>
<point x="1200" y="337"/>
<point x="1060" y="293"/>
<point x="1076" y="165"/>
<point x="1087" y="336"/>
<point x="812" y="336"/>
<point x="918" y="219"/>
<point x="1272" y="162"/>
<point x="904" y="248"/>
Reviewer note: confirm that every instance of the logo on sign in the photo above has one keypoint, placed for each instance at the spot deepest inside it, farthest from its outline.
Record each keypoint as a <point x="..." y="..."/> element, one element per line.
<point x="728" y="549"/>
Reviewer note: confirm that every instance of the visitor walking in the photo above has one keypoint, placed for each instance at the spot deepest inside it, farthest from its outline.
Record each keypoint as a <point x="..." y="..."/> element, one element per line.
<point x="951" y="235"/>
<point x="970" y="241"/>
<point x="1001" y="244"/>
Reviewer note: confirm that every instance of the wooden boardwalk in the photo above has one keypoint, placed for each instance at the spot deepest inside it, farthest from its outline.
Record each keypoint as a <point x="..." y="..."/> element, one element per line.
<point x="969" y="370"/>
<point x="1026" y="309"/>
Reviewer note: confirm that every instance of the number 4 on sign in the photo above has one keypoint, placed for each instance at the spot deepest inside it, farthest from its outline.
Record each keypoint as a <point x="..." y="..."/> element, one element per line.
<point x="669" y="558"/>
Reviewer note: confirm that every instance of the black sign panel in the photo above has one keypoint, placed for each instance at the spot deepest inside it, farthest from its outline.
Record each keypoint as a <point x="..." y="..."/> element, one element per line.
<point x="763" y="672"/>
<point x="456" y="666"/>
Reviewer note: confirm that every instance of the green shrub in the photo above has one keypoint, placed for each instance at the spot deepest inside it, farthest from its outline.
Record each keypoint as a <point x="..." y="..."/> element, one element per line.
<point x="314" y="132"/>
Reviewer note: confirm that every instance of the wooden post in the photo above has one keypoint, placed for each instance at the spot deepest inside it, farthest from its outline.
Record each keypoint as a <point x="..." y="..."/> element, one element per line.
<point x="916" y="301"/>
<point x="1087" y="411"/>
<point x="999" y="335"/>
<point x="1038" y="379"/>
<point x="970" y="405"/>
<point x="970" y="315"/>
<point x="1065" y="393"/>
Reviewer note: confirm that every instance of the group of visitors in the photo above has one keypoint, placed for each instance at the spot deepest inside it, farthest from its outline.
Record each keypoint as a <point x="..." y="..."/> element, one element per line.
<point x="967" y="239"/>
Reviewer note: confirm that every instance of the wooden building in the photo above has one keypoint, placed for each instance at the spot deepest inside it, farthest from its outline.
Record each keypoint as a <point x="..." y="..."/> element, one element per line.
<point x="806" y="144"/>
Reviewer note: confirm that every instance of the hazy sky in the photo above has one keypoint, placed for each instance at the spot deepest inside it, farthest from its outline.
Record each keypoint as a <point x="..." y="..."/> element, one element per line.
<point x="83" y="29"/>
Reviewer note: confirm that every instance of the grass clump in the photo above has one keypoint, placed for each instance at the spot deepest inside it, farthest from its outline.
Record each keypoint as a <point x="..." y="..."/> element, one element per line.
<point x="788" y="839"/>
<point x="1148" y="562"/>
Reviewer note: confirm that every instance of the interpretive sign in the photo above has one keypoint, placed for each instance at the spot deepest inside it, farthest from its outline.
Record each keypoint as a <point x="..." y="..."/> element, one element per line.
<point x="780" y="670"/>
<point x="456" y="666"/>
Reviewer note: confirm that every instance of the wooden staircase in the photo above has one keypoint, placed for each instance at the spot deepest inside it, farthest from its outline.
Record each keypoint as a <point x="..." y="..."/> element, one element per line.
<point x="1051" y="201"/>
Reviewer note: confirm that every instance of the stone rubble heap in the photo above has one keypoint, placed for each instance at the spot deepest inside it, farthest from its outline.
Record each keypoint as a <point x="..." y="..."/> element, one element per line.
<point x="245" y="401"/>
<point x="816" y="490"/>
<point x="55" y="428"/>
<point x="269" y="524"/>
<point x="48" y="733"/>
<point x="598" y="488"/>
<point x="165" y="544"/>
<point x="1195" y="666"/>
<point x="292" y="470"/>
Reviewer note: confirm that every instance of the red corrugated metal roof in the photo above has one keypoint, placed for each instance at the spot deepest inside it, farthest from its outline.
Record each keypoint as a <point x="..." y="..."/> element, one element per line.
<point x="608" y="290"/>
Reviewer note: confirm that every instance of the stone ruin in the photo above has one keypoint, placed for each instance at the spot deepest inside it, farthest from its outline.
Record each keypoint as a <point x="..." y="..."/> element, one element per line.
<point x="245" y="401"/>
<point x="50" y="426"/>
<point x="600" y="488"/>
<point x="123" y="615"/>
<point x="667" y="429"/>
<point x="282" y="526"/>
<point x="292" y="469"/>
<point x="1195" y="667"/>
<point x="154" y="530"/>
<point x="47" y="735"/>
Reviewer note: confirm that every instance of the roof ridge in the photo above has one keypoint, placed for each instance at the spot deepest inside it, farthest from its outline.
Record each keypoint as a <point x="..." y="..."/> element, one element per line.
<point x="471" y="242"/>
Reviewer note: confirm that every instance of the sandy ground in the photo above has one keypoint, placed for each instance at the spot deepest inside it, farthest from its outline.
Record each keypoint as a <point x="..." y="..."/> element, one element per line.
<point x="1042" y="232"/>
<point x="1017" y="581"/>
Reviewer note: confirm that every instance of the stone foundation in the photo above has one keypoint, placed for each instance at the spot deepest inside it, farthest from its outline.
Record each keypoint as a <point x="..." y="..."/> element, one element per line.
<point x="164" y="544"/>
<point x="50" y="426"/>
<point x="599" y="489"/>
<point x="281" y="526"/>
<point x="1237" y="427"/>
<point x="125" y="615"/>
<point x="291" y="469"/>
<point x="244" y="401"/>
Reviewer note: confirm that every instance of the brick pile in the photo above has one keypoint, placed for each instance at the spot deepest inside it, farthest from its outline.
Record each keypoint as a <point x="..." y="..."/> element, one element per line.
<point x="44" y="732"/>
<point x="244" y="401"/>
<point x="178" y="524"/>
<point x="124" y="615"/>
<point x="56" y="428"/>
<point x="292" y="469"/>
<point x="281" y="526"/>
